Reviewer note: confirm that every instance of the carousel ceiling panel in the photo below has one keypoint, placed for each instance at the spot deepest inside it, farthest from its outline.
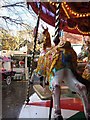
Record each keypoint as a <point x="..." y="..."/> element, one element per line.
<point x="74" y="16"/>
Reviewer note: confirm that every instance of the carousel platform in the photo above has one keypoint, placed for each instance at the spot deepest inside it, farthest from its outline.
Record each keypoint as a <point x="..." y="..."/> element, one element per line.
<point x="39" y="105"/>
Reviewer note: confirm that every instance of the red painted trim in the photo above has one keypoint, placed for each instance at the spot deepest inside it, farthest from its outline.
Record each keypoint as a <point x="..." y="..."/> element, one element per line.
<point x="51" y="20"/>
<point x="70" y="104"/>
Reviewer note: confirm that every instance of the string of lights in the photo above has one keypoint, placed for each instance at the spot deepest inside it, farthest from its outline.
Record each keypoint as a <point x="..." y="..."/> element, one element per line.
<point x="69" y="12"/>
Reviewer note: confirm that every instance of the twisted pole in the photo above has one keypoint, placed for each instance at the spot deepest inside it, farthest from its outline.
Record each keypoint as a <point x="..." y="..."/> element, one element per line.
<point x="57" y="24"/>
<point x="33" y="53"/>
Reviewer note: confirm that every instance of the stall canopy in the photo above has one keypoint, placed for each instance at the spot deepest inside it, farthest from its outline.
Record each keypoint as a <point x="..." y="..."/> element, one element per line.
<point x="5" y="59"/>
<point x="74" y="16"/>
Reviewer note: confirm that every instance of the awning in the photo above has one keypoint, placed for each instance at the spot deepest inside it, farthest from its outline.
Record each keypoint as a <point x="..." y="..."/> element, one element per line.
<point x="74" y="16"/>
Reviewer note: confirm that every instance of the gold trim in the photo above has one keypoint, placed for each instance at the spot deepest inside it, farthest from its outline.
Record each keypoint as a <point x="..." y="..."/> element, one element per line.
<point x="78" y="15"/>
<point x="65" y="11"/>
<point x="76" y="27"/>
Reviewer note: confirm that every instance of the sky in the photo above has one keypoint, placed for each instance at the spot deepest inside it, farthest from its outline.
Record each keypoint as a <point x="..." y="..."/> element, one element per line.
<point x="19" y="13"/>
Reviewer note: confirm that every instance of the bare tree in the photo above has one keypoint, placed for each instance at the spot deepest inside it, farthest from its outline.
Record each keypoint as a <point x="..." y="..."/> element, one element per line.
<point x="14" y="14"/>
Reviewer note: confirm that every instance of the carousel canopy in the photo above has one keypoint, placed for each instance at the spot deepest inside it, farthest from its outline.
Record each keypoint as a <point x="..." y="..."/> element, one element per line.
<point x="74" y="16"/>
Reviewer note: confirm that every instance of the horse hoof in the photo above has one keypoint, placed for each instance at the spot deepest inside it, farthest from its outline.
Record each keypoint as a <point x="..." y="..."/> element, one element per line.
<point x="58" y="118"/>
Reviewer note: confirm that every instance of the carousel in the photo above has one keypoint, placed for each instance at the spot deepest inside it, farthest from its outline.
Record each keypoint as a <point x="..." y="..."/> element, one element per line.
<point x="63" y="91"/>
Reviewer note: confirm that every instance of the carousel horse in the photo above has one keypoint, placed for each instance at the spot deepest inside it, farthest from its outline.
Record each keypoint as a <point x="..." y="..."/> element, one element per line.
<point x="45" y="40"/>
<point x="57" y="65"/>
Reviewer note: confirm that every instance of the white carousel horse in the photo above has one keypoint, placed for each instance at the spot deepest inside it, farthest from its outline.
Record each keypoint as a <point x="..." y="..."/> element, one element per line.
<point x="56" y="67"/>
<point x="51" y="66"/>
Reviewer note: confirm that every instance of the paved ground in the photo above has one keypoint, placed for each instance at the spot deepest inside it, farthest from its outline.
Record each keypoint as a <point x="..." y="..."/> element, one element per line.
<point x="13" y="97"/>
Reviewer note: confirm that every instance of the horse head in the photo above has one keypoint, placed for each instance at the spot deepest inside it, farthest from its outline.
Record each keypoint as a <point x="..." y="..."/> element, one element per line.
<point x="45" y="38"/>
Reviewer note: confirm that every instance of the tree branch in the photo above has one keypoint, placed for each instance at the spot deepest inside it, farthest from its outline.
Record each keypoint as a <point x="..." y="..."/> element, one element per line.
<point x="15" y="4"/>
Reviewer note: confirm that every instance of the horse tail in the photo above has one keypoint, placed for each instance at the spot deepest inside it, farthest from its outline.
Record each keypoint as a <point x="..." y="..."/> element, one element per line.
<point x="81" y="79"/>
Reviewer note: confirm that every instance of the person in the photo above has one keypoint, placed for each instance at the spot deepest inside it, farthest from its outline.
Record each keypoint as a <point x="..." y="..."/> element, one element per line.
<point x="83" y="55"/>
<point x="86" y="73"/>
<point x="67" y="55"/>
<point x="63" y="58"/>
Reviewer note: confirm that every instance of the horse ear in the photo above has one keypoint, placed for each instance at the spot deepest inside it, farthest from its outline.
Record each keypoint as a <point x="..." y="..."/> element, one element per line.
<point x="46" y="28"/>
<point x="42" y="27"/>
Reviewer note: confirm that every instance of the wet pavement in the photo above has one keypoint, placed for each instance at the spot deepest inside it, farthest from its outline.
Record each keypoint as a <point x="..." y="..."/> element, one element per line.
<point x="13" y="97"/>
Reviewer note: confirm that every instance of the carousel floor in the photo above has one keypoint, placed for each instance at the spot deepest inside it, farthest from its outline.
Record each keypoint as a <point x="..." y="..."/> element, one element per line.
<point x="71" y="107"/>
